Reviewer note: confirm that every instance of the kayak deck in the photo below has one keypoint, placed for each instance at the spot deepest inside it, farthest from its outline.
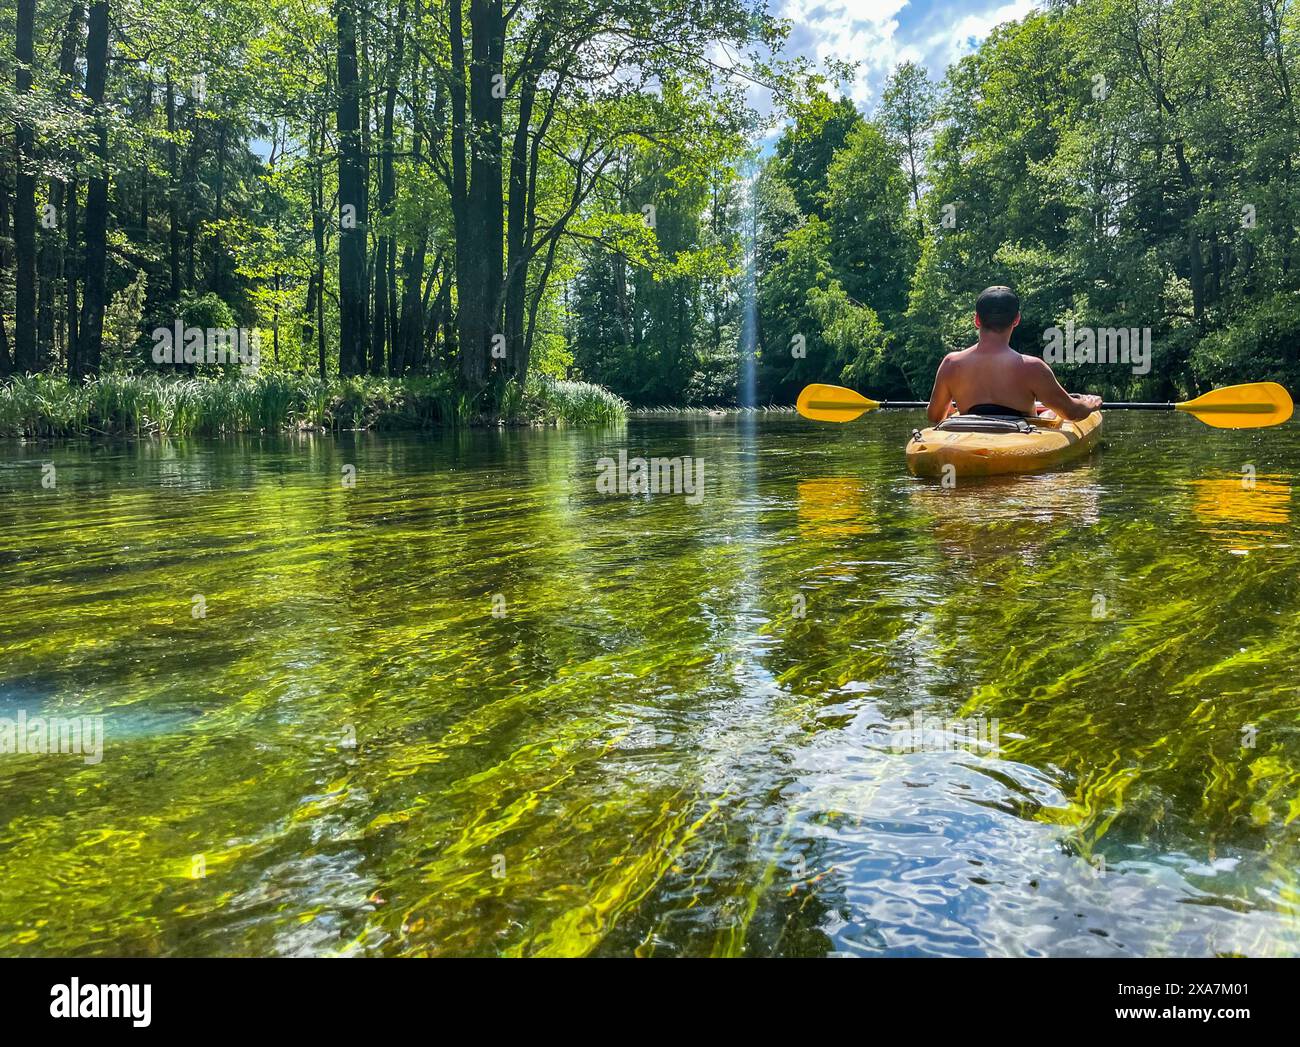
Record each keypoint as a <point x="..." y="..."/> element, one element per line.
<point x="1053" y="442"/>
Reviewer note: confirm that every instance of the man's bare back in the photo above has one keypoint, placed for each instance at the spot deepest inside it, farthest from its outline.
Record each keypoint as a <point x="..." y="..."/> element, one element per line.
<point x="991" y="374"/>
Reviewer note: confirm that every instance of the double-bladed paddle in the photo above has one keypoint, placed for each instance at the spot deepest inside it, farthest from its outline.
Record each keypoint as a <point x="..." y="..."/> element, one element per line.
<point x="1251" y="406"/>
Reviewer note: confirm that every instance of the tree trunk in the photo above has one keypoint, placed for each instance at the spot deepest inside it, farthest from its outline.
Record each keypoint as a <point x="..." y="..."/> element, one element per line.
<point x="353" y="336"/>
<point x="48" y="265"/>
<point x="216" y="270"/>
<point x="6" y="258"/>
<point x="307" y="326"/>
<point x="486" y="86"/>
<point x="384" y="253"/>
<point x="518" y="227"/>
<point x="191" y="178"/>
<point x="173" y="198"/>
<point x="408" y="330"/>
<point x="71" y="273"/>
<point x="318" y="239"/>
<point x="275" y="322"/>
<point x="411" y="325"/>
<point x="449" y="345"/>
<point x="538" y="294"/>
<point x="471" y="349"/>
<point x="478" y="204"/>
<point x="6" y="359"/>
<point x="1195" y="263"/>
<point x="144" y="168"/>
<point x="25" y="359"/>
<point x="92" y="306"/>
<point x="56" y="246"/>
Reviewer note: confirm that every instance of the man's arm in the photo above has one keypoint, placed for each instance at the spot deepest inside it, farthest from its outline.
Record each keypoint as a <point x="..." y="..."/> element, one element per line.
<point x="1047" y="390"/>
<point x="941" y="397"/>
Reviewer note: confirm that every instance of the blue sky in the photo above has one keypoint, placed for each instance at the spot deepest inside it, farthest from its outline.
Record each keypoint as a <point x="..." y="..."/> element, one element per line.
<point x="880" y="34"/>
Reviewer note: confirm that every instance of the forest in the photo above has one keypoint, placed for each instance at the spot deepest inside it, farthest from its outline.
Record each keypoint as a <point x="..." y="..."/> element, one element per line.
<point x="627" y="201"/>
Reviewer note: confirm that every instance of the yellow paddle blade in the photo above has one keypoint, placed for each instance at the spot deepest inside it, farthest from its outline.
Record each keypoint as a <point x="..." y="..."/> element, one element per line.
<point x="1250" y="406"/>
<point x="832" y="403"/>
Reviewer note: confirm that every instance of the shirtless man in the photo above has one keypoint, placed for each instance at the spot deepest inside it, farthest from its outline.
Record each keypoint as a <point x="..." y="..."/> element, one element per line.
<point x="992" y="378"/>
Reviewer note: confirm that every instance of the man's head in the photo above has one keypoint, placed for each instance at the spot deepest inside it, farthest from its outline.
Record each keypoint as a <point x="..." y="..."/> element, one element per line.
<point x="997" y="310"/>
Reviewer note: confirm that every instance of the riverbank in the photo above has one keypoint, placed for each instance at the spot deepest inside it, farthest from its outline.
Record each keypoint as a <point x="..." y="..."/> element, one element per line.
<point x="114" y="405"/>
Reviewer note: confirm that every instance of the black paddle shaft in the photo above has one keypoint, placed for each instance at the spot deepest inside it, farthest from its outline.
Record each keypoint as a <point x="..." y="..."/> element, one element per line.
<point x="915" y="404"/>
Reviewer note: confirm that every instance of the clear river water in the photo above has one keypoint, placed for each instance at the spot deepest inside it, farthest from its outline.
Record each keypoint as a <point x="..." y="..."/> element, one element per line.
<point x="471" y="704"/>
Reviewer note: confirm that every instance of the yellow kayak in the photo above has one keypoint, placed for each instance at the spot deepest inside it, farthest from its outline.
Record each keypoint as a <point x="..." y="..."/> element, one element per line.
<point x="978" y="446"/>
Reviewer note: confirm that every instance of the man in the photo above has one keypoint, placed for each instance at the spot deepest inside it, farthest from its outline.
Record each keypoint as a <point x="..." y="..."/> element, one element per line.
<point x="992" y="378"/>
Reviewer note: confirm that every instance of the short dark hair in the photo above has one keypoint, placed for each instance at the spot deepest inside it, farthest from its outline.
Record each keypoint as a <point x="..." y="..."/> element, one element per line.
<point x="997" y="308"/>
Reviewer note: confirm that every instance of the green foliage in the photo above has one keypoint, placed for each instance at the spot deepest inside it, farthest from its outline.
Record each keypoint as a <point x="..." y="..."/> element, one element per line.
<point x="1263" y="342"/>
<point x="206" y="310"/>
<point x="654" y="298"/>
<point x="1120" y="164"/>
<point x="835" y="284"/>
<point x="866" y="211"/>
<point x="716" y="376"/>
<point x="854" y="334"/>
<point x="1099" y="158"/>
<point x="793" y="351"/>
<point x="225" y="166"/>
<point x="122" y="320"/>
<point x="908" y="110"/>
<point x="807" y="147"/>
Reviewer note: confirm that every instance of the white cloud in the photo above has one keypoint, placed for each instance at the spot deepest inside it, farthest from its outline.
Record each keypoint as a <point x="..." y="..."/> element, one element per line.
<point x="964" y="36"/>
<point x="861" y="31"/>
<point x="881" y="34"/>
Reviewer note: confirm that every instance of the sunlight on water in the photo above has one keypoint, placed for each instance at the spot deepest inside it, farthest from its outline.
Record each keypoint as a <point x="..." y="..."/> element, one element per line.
<point x="471" y="705"/>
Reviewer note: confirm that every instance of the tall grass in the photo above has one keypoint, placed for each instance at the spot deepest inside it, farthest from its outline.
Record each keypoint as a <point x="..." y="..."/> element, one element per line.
<point x="46" y="405"/>
<point x="549" y="400"/>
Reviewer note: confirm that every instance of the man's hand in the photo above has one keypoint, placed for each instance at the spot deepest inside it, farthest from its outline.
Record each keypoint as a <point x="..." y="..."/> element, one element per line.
<point x="1088" y="400"/>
